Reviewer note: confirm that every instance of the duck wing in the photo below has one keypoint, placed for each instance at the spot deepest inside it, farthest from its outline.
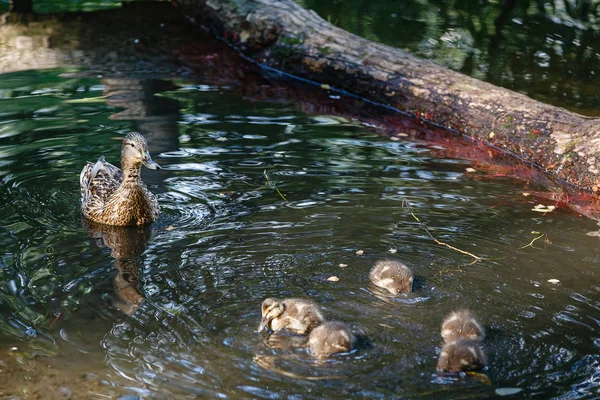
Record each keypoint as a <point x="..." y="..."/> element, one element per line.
<point x="99" y="180"/>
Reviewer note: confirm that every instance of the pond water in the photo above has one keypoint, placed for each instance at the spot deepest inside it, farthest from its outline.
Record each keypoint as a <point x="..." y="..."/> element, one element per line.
<point x="549" y="50"/>
<point x="260" y="199"/>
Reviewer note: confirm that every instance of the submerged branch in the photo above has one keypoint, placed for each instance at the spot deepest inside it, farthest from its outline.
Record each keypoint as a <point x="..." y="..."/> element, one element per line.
<point x="422" y="226"/>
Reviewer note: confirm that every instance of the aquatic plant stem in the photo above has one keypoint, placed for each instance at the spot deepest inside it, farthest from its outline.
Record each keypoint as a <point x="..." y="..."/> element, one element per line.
<point x="268" y="185"/>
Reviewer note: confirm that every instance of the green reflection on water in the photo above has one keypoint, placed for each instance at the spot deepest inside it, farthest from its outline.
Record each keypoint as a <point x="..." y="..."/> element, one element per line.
<point x="546" y="49"/>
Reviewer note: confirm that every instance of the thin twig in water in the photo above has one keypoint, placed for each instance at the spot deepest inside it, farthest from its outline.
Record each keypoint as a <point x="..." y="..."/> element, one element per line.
<point x="533" y="241"/>
<point x="477" y="258"/>
<point x="268" y="184"/>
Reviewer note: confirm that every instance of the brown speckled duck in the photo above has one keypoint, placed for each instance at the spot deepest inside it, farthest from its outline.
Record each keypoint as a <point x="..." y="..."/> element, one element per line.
<point x="461" y="355"/>
<point x="296" y="315"/>
<point x="329" y="338"/>
<point x="461" y="324"/>
<point x="393" y="276"/>
<point x="114" y="196"/>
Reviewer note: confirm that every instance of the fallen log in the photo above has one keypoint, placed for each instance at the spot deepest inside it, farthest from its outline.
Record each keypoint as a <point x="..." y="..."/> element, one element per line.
<point x="283" y="35"/>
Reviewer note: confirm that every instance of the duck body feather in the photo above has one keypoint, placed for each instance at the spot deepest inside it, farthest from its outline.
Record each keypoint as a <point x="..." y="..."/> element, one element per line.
<point x="112" y="197"/>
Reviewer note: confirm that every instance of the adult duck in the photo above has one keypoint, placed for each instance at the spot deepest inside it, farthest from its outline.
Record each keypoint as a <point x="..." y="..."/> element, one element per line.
<point x="114" y="196"/>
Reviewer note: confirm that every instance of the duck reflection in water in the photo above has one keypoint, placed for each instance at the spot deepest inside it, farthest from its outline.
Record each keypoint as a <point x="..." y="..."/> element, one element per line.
<point x="126" y="244"/>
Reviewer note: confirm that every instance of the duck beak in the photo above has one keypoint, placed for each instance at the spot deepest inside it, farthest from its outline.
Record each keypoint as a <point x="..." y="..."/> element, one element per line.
<point x="147" y="161"/>
<point x="263" y="324"/>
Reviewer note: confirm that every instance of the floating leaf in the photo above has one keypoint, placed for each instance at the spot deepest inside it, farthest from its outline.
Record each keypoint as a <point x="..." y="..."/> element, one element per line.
<point x="542" y="208"/>
<point x="491" y="135"/>
<point x="470" y="169"/>
<point x="325" y="86"/>
<point x="360" y="252"/>
<point x="526" y="194"/>
<point x="170" y="227"/>
<point x="393" y="251"/>
<point x="553" y="281"/>
<point x="333" y="279"/>
<point x="99" y="99"/>
<point x="402" y="134"/>
<point x="508" y="391"/>
<point x="343" y="265"/>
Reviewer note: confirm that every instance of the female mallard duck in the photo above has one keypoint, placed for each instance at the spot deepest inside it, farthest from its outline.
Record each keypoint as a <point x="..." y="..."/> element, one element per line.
<point x="296" y="315"/>
<point x="119" y="197"/>
<point x="461" y="324"/>
<point x="461" y="355"/>
<point x="330" y="338"/>
<point x="393" y="276"/>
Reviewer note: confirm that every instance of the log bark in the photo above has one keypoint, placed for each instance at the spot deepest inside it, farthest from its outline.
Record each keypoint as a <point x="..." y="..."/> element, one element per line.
<point x="283" y="35"/>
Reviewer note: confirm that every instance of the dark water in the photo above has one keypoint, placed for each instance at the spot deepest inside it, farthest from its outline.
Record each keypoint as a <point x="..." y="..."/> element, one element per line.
<point x="549" y="50"/>
<point x="171" y="311"/>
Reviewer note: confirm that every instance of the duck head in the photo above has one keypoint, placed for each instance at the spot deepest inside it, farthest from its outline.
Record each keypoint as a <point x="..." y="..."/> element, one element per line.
<point x="135" y="150"/>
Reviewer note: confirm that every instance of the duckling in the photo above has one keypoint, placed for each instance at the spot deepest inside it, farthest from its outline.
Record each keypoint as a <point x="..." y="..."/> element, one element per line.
<point x="459" y="324"/>
<point x="296" y="315"/>
<point x="461" y="355"/>
<point x="393" y="276"/>
<point x="329" y="338"/>
<point x="114" y="197"/>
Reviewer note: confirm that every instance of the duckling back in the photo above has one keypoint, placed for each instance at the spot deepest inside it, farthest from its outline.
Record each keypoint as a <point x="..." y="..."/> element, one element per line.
<point x="295" y="314"/>
<point x="393" y="276"/>
<point x="461" y="355"/>
<point x="461" y="324"/>
<point x="329" y="338"/>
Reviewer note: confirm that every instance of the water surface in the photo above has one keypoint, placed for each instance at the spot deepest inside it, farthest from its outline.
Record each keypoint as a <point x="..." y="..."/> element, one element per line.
<point x="260" y="199"/>
<point x="549" y="50"/>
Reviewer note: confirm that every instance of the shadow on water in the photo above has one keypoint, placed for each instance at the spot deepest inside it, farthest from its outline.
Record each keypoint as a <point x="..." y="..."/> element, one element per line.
<point x="171" y="310"/>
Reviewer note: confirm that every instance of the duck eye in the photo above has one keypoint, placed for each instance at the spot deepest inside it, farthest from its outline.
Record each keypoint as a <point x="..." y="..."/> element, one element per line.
<point x="132" y="145"/>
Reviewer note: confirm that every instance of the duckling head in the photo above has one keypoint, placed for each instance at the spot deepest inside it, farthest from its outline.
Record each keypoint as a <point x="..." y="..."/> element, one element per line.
<point x="271" y="309"/>
<point x="135" y="151"/>
<point x="400" y="284"/>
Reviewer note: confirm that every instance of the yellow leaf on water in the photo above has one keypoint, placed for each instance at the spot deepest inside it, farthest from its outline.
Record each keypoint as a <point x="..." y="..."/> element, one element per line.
<point x="402" y="134"/>
<point x="343" y="265"/>
<point x="470" y="169"/>
<point x="333" y="279"/>
<point x="526" y="194"/>
<point x="360" y="252"/>
<point x="553" y="281"/>
<point x="325" y="86"/>
<point x="170" y="227"/>
<point x="542" y="208"/>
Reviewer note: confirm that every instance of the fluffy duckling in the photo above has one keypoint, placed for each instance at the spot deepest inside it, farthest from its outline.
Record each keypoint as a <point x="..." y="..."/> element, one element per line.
<point x="296" y="315"/>
<point x="393" y="276"/>
<point x="113" y="196"/>
<point x="330" y="338"/>
<point x="461" y="324"/>
<point x="461" y="355"/>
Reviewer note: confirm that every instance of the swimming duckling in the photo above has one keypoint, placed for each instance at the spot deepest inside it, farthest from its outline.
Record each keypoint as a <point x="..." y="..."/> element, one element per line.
<point x="329" y="338"/>
<point x="119" y="197"/>
<point x="392" y="275"/>
<point x="461" y="355"/>
<point x="459" y="324"/>
<point x="296" y="315"/>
